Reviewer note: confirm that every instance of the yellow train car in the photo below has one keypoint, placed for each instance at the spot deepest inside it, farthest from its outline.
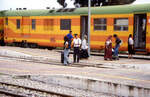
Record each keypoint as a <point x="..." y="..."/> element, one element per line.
<point x="48" y="27"/>
<point x="29" y="26"/>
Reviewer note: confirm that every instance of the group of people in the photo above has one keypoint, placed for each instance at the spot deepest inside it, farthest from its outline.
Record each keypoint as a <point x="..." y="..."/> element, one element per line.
<point x="79" y="48"/>
<point x="112" y="53"/>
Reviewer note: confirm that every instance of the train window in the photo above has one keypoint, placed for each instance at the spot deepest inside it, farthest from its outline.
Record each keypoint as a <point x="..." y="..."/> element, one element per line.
<point x="121" y="24"/>
<point x="100" y="24"/>
<point x="33" y="24"/>
<point x="65" y="24"/>
<point x="48" y="24"/>
<point x="18" y="23"/>
<point x="6" y="21"/>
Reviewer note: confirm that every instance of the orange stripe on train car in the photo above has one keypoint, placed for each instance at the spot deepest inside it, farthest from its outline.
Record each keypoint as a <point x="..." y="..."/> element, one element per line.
<point x="131" y="21"/>
<point x="36" y="36"/>
<point x="110" y="21"/>
<point x="11" y="33"/>
<point x="104" y="37"/>
<point x="12" y="21"/>
<point x="59" y="36"/>
<point x="50" y="44"/>
<point x="1" y="21"/>
<point x="96" y="37"/>
<point x="26" y="22"/>
<point x="74" y="22"/>
<point x="148" y="40"/>
<point x="42" y="43"/>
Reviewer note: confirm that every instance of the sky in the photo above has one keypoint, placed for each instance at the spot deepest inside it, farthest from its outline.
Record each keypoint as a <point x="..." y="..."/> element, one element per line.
<point x="141" y="1"/>
<point x="41" y="4"/>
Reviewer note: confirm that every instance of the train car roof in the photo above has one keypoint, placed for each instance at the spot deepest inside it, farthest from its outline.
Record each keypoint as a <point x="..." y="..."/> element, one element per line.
<point x="120" y="9"/>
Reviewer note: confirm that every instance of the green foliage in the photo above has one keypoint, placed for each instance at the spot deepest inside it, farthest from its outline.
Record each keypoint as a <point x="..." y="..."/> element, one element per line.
<point x="84" y="3"/>
<point x="121" y="2"/>
<point x="62" y="2"/>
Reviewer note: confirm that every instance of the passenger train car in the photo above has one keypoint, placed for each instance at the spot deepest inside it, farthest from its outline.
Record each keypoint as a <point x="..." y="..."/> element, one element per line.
<point x="48" y="27"/>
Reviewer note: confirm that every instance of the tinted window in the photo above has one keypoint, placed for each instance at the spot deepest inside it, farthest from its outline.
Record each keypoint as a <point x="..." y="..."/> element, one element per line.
<point x="33" y="24"/>
<point x="121" y="24"/>
<point x="18" y="23"/>
<point x="100" y="24"/>
<point x="6" y="21"/>
<point x="65" y="24"/>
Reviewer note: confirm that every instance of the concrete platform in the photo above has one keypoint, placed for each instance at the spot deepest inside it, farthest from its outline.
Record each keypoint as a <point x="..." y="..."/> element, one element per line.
<point x="53" y="56"/>
<point x="124" y="77"/>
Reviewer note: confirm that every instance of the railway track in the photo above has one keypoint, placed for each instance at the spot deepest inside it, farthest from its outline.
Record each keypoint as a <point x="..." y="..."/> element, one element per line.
<point x="13" y="90"/>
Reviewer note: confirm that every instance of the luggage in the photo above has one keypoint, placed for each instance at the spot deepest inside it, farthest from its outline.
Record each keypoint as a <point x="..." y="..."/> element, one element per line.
<point x="62" y="57"/>
<point x="84" y="54"/>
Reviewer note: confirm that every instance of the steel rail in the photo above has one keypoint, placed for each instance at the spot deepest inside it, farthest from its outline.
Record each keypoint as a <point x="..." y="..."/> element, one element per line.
<point x="31" y="89"/>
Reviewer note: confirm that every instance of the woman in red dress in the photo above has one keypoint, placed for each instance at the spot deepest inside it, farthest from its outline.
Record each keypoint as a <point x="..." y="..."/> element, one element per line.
<point x="108" y="48"/>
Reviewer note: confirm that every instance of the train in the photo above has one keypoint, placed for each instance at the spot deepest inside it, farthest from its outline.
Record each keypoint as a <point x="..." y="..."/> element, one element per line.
<point x="47" y="27"/>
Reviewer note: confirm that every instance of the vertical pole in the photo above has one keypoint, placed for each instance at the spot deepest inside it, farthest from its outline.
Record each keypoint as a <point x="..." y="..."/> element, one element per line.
<point x="89" y="25"/>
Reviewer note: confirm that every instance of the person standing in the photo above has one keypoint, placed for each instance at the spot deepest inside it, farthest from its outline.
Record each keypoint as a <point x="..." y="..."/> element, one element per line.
<point x="117" y="46"/>
<point x="66" y="51"/>
<point x="84" y="48"/>
<point x="130" y="46"/>
<point x="76" y="45"/>
<point x="67" y="46"/>
<point x="108" y="48"/>
<point x="70" y="38"/>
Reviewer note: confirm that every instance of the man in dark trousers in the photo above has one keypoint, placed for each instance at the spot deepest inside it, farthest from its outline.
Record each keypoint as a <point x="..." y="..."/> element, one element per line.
<point x="76" y="45"/>
<point x="117" y="45"/>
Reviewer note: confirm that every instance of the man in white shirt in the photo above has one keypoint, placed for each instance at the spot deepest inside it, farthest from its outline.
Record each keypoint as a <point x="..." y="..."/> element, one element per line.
<point x="76" y="45"/>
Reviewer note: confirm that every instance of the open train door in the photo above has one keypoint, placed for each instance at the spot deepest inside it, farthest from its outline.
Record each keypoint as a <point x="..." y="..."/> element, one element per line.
<point x="84" y="26"/>
<point x="140" y="32"/>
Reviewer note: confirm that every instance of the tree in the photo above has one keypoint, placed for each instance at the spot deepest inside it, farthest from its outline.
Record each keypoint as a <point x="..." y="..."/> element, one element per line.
<point x="84" y="3"/>
<point x="62" y="2"/>
<point x="120" y="2"/>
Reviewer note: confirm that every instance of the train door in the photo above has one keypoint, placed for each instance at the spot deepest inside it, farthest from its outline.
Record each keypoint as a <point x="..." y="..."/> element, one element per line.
<point x="84" y="26"/>
<point x="140" y="32"/>
<point x="26" y="26"/>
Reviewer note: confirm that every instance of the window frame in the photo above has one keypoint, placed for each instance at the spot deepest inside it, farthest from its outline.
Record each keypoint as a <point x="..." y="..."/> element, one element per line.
<point x="18" y="23"/>
<point x="121" y="27"/>
<point x="64" y="25"/>
<point x="101" y="26"/>
<point x="6" y="20"/>
<point x="33" y="21"/>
